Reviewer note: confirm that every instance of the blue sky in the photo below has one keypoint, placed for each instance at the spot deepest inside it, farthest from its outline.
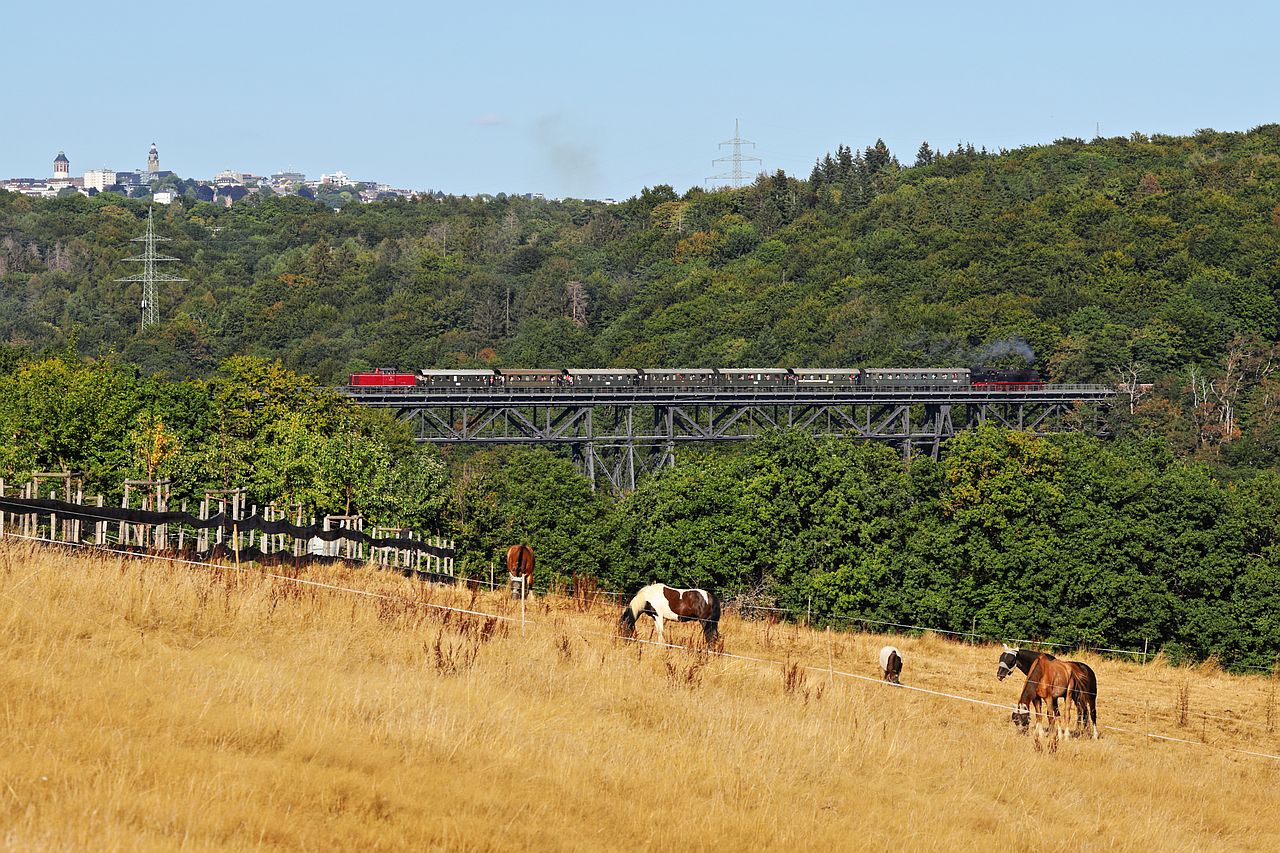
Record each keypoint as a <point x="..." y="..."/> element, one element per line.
<point x="575" y="99"/>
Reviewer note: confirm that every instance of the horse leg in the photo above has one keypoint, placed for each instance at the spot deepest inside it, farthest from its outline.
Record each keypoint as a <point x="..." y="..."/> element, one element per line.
<point x="1038" y="707"/>
<point x="1054" y="723"/>
<point x="657" y="621"/>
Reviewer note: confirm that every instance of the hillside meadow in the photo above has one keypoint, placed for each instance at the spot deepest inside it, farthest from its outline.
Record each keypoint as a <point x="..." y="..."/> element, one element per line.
<point x="153" y="705"/>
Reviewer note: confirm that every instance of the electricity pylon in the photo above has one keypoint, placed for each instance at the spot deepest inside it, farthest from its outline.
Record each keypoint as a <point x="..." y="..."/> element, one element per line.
<point x="150" y="277"/>
<point x="737" y="158"/>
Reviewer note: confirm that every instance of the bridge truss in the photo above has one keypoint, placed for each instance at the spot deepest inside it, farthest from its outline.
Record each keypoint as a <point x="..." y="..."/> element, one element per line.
<point x="616" y="435"/>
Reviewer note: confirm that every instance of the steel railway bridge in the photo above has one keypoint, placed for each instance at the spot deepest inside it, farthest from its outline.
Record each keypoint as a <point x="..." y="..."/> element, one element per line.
<point x="618" y="433"/>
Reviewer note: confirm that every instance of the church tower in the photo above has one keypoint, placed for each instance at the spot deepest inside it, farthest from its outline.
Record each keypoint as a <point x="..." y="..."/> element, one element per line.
<point x="61" y="167"/>
<point x="153" y="160"/>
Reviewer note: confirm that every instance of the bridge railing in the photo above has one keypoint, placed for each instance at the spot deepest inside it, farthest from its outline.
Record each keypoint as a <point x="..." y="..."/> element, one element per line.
<point x="774" y="392"/>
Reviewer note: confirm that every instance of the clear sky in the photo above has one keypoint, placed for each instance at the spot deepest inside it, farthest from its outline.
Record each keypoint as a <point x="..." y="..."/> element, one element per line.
<point x="598" y="99"/>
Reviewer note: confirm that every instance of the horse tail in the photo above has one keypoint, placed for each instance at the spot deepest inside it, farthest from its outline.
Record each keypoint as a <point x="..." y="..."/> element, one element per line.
<point x="711" y="625"/>
<point x="1090" y="691"/>
<point x="1086" y="683"/>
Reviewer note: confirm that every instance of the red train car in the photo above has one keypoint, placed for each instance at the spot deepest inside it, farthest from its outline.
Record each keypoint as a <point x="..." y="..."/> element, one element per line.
<point x="383" y="377"/>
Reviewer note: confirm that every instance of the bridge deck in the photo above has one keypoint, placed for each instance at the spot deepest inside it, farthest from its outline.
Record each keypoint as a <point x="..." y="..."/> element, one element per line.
<point x="431" y="397"/>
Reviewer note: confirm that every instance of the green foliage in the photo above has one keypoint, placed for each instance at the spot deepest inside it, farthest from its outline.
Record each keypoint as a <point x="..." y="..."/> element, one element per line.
<point x="508" y="496"/>
<point x="57" y="415"/>
<point x="254" y="424"/>
<point x="1139" y="252"/>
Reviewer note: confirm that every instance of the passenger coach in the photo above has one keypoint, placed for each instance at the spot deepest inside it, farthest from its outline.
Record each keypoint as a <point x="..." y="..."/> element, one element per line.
<point x="706" y="378"/>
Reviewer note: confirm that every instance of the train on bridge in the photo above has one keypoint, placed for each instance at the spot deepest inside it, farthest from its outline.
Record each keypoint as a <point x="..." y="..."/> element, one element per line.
<point x="708" y="378"/>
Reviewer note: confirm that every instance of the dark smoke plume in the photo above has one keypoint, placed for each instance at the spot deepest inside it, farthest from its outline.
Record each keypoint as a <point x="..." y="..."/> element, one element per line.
<point x="1007" y="346"/>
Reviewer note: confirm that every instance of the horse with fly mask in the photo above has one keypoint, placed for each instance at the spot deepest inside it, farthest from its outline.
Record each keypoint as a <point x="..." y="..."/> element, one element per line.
<point x="1048" y="680"/>
<point x="1085" y="696"/>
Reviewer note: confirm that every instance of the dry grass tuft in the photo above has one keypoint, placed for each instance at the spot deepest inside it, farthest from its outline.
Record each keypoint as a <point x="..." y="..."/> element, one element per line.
<point x="147" y="705"/>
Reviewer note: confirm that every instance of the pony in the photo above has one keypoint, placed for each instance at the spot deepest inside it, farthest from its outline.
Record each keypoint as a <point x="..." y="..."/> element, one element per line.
<point x="520" y="565"/>
<point x="681" y="605"/>
<point x="1048" y="680"/>
<point x="891" y="664"/>
<point x="1085" y="696"/>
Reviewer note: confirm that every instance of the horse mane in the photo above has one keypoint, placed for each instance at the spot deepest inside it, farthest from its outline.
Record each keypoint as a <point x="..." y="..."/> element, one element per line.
<point x="1029" y="657"/>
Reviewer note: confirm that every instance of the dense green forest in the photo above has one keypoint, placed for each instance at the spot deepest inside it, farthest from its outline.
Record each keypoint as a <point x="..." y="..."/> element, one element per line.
<point x="1152" y="259"/>
<point x="1149" y="261"/>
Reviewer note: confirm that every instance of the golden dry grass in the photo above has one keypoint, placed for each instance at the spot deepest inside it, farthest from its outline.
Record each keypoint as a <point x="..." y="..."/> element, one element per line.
<point x="155" y="706"/>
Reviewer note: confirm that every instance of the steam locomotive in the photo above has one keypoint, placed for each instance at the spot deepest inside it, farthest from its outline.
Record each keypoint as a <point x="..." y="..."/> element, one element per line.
<point x="705" y="378"/>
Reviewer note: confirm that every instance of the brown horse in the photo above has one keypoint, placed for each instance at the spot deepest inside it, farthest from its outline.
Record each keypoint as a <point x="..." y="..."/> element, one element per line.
<point x="1084" y="697"/>
<point x="520" y="565"/>
<point x="1048" y="680"/>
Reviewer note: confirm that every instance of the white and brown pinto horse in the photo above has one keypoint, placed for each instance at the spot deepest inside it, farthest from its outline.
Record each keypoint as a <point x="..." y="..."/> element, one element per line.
<point x="679" y="605"/>
<point x="891" y="664"/>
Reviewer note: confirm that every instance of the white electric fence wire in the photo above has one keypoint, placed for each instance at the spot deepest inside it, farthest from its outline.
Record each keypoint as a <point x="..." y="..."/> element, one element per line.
<point x="258" y="573"/>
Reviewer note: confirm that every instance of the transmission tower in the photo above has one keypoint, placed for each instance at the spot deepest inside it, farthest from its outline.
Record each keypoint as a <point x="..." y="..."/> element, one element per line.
<point x="149" y="276"/>
<point x="737" y="158"/>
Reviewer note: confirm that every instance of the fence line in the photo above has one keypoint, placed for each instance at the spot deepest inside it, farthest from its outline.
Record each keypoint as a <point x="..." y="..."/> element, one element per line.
<point x="106" y="549"/>
<point x="143" y="555"/>
<point x="341" y="537"/>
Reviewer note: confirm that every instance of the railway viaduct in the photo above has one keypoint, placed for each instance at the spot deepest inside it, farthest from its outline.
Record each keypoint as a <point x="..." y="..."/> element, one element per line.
<point x="616" y="434"/>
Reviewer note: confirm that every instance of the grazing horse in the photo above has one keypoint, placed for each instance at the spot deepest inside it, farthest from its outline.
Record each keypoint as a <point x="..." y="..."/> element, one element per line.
<point x="1085" y="696"/>
<point x="891" y="664"/>
<point x="1048" y="680"/>
<point x="681" y="605"/>
<point x="520" y="565"/>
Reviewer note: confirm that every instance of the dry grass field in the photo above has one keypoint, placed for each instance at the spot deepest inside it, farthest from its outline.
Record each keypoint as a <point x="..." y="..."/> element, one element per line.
<point x="153" y="706"/>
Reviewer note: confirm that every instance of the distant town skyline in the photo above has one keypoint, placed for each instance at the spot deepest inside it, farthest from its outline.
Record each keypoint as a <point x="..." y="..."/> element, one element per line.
<point x="164" y="186"/>
<point x="63" y="172"/>
<point x="589" y="101"/>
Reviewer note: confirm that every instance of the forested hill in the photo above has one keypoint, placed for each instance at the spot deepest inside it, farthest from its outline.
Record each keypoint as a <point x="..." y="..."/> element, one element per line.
<point x="1157" y="256"/>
